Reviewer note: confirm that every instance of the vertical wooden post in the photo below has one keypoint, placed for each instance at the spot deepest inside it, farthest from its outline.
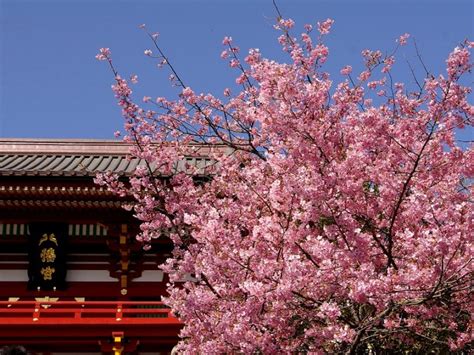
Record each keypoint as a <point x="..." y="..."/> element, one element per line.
<point x="118" y="343"/>
<point x="124" y="258"/>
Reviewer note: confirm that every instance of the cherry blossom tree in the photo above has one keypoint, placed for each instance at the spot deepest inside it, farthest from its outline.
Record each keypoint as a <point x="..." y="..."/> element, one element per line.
<point x="329" y="217"/>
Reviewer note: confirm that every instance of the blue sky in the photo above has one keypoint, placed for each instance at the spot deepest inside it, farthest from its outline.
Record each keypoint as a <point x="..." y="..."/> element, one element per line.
<point x="51" y="86"/>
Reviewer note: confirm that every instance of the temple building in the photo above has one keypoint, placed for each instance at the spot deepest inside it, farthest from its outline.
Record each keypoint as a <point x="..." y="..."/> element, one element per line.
<point x="73" y="279"/>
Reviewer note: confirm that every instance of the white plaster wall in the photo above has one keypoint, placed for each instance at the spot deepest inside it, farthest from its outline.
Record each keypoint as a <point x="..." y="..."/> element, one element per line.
<point x="150" y="276"/>
<point x="72" y="276"/>
<point x="13" y="275"/>
<point x="89" y="276"/>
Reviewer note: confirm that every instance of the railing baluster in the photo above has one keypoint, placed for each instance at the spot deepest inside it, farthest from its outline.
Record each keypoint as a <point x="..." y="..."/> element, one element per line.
<point x="119" y="313"/>
<point x="36" y="312"/>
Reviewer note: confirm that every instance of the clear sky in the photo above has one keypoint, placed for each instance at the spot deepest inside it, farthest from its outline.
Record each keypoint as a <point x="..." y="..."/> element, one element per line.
<point x="51" y="85"/>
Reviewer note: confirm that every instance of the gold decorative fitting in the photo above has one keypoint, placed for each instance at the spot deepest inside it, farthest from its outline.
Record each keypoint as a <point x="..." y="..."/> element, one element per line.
<point x="51" y="238"/>
<point x="46" y="299"/>
<point x="48" y="255"/>
<point x="47" y="272"/>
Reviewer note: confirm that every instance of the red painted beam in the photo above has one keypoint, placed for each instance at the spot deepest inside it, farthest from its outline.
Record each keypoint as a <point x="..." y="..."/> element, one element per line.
<point x="53" y="333"/>
<point x="97" y="290"/>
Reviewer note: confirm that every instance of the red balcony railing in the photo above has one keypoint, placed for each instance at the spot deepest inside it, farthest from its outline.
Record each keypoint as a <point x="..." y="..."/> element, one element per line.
<point x="85" y="313"/>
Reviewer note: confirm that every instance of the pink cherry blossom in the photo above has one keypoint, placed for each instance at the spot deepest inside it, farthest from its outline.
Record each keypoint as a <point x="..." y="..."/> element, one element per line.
<point x="234" y="63"/>
<point x="134" y="79"/>
<point x="104" y="54"/>
<point x="224" y="54"/>
<point x="286" y="23"/>
<point x="309" y="215"/>
<point x="402" y="40"/>
<point x="227" y="41"/>
<point x="364" y="75"/>
<point x="346" y="70"/>
<point x="325" y="26"/>
<point x="388" y="63"/>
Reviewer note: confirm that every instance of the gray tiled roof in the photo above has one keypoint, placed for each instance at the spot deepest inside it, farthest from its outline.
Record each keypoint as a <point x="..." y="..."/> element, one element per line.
<point x="37" y="157"/>
<point x="65" y="165"/>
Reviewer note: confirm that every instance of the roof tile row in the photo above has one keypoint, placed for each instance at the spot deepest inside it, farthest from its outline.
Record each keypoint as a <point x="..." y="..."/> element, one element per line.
<point x="36" y="157"/>
<point x="67" y="165"/>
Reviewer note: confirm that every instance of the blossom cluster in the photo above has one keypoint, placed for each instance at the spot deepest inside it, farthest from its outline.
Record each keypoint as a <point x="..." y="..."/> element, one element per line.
<point x="327" y="219"/>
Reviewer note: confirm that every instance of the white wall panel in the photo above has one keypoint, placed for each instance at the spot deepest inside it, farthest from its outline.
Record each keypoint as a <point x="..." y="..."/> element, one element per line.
<point x="89" y="276"/>
<point x="150" y="276"/>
